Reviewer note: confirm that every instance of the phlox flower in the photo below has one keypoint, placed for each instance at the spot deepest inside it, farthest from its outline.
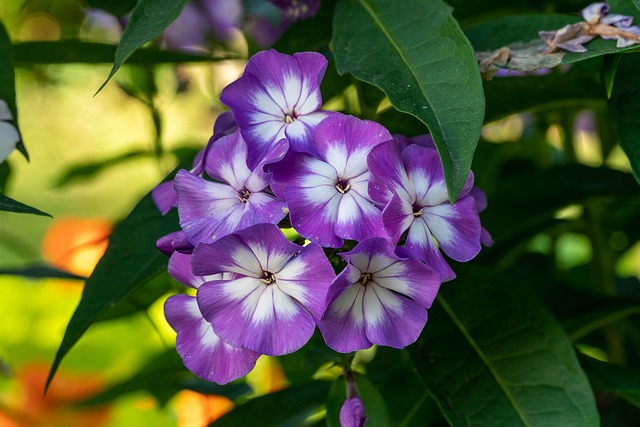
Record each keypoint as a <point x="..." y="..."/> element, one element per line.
<point x="202" y="351"/>
<point x="352" y="413"/>
<point x="412" y="188"/>
<point x="327" y="195"/>
<point x="379" y="298"/>
<point x="278" y="293"/>
<point x="277" y="97"/>
<point x="209" y="210"/>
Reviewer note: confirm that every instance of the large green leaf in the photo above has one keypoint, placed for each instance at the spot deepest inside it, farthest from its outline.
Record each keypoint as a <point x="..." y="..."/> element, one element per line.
<point x="131" y="260"/>
<point x="8" y="81"/>
<point x="164" y="375"/>
<point x="288" y="407"/>
<point x="41" y="271"/>
<point x="8" y="204"/>
<point x="492" y="355"/>
<point x="624" y="106"/>
<point x="148" y="20"/>
<point x="525" y="200"/>
<point x="71" y="51"/>
<point x="417" y="54"/>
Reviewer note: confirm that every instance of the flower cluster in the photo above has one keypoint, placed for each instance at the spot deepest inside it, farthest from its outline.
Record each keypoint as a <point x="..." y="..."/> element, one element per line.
<point x="343" y="183"/>
<point x="598" y="22"/>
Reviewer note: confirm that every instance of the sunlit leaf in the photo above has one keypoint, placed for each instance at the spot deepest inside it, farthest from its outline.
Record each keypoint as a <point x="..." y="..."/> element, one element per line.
<point x="10" y="205"/>
<point x="491" y="354"/>
<point x="77" y="51"/>
<point x="290" y="406"/>
<point x="87" y="170"/>
<point x="422" y="61"/>
<point x="8" y="81"/>
<point x="131" y="260"/>
<point x="148" y="20"/>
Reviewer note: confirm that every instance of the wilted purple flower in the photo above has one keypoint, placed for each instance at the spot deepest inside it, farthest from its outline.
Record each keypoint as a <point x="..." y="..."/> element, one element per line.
<point x="209" y="210"/>
<point x="327" y="195"/>
<point x="277" y="97"/>
<point x="379" y="298"/>
<point x="412" y="188"/>
<point x="594" y="13"/>
<point x="570" y="38"/>
<point x="202" y="351"/>
<point x="278" y="294"/>
<point x="352" y="413"/>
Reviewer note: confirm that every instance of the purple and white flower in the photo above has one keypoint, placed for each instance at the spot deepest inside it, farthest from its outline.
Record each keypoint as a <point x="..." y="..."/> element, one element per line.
<point x="202" y="351"/>
<point x="327" y="195"/>
<point x="412" y="188"/>
<point x="379" y="298"/>
<point x="9" y="136"/>
<point x="278" y="293"/>
<point x="209" y="210"/>
<point x="277" y="97"/>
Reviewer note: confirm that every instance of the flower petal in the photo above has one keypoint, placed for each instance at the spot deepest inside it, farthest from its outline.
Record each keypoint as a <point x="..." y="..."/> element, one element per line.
<point x="456" y="228"/>
<point x="202" y="351"/>
<point x="422" y="244"/>
<point x="388" y="175"/>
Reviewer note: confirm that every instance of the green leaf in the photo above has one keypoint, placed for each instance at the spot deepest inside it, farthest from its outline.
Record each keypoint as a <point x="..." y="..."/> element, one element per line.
<point x="76" y="51"/>
<point x="422" y="61"/>
<point x="131" y="260"/>
<point x="8" y="82"/>
<point x="288" y="407"/>
<point x="623" y="381"/>
<point x="89" y="169"/>
<point x="41" y="271"/>
<point x="8" y="204"/>
<point x="148" y="20"/>
<point x="301" y="365"/>
<point x="163" y="376"/>
<point x="624" y="106"/>
<point x="115" y="7"/>
<point x="491" y="354"/>
<point x="512" y="211"/>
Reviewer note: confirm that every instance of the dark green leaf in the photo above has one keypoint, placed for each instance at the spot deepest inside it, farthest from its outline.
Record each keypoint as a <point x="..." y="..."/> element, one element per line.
<point x="491" y="354"/>
<point x="131" y="260"/>
<point x="116" y="7"/>
<point x="8" y="81"/>
<point x="87" y="170"/>
<point x="288" y="407"/>
<point x="524" y="201"/>
<point x="5" y="171"/>
<point x="41" y="271"/>
<point x="72" y="51"/>
<point x="148" y="20"/>
<point x="505" y="95"/>
<point x="163" y="376"/>
<point x="301" y="365"/>
<point x="625" y="382"/>
<point x="8" y="204"/>
<point x="624" y="106"/>
<point x="422" y="61"/>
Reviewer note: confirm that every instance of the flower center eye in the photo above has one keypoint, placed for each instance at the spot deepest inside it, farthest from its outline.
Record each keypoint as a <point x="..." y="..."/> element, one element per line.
<point x="243" y="195"/>
<point x="267" y="277"/>
<point x="364" y="278"/>
<point x="417" y="211"/>
<point x="342" y="186"/>
<point x="290" y="118"/>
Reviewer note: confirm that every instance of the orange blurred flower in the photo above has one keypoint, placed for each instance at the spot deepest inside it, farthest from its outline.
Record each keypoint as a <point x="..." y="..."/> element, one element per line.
<point x="76" y="244"/>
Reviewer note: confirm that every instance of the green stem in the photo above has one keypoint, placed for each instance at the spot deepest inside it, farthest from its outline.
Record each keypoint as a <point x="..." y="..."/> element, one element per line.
<point x="567" y="121"/>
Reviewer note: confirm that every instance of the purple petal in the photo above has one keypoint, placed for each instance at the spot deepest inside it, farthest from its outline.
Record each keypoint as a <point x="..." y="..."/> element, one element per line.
<point x="397" y="217"/>
<point x="595" y="12"/>
<point x="165" y="197"/>
<point x="456" y="228"/>
<point x="202" y="351"/>
<point x="357" y="218"/>
<point x="227" y="161"/>
<point x="207" y="210"/>
<point x="180" y="269"/>
<point x="352" y="413"/>
<point x="262" y="208"/>
<point x="422" y="244"/>
<point x="174" y="242"/>
<point x="388" y="175"/>
<point x="620" y="21"/>
<point x="250" y="314"/>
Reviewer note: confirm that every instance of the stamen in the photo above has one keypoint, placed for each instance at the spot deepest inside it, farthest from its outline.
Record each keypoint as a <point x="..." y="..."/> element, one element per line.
<point x="343" y="187"/>
<point x="267" y="277"/>
<point x="417" y="211"/>
<point x="243" y="195"/>
<point x="364" y="278"/>
<point x="288" y="119"/>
